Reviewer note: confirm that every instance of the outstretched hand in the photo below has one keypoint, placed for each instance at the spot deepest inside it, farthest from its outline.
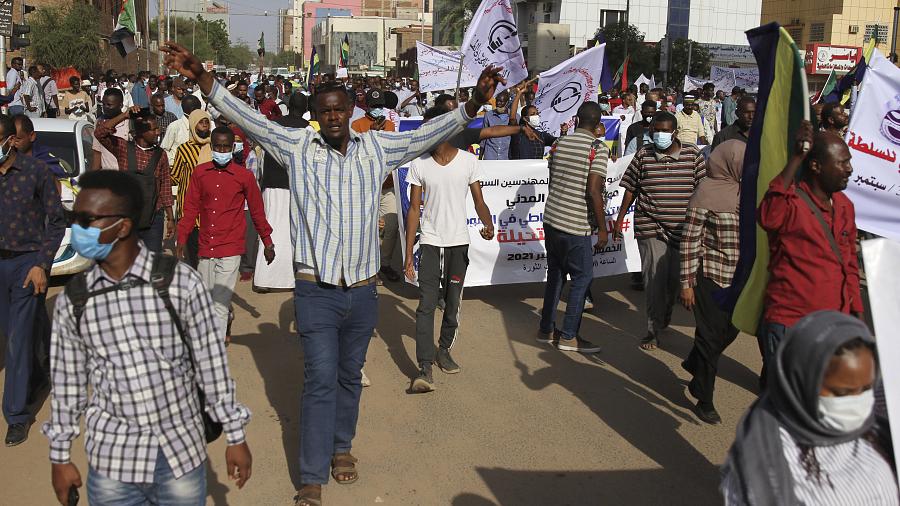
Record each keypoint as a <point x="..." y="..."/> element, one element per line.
<point x="487" y="84"/>
<point x="179" y="59"/>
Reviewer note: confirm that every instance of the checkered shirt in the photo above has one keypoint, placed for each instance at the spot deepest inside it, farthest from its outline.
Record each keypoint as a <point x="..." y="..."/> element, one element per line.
<point x="143" y="391"/>
<point x="712" y="238"/>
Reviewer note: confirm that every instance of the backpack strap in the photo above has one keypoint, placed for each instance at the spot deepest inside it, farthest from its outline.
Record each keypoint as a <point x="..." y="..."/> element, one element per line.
<point x="77" y="293"/>
<point x="161" y="275"/>
<point x="821" y="219"/>
<point x="132" y="157"/>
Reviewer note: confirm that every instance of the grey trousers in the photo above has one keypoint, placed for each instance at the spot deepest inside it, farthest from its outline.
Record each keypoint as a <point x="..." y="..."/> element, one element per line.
<point x="456" y="262"/>
<point x="659" y="266"/>
<point x="390" y="235"/>
<point x="219" y="276"/>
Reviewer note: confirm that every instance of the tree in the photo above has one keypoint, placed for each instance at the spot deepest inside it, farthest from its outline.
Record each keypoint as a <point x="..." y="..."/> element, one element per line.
<point x="679" y="61"/>
<point x="240" y="56"/>
<point x="284" y="59"/>
<point x="454" y="18"/>
<point x="67" y="35"/>
<point x="618" y="36"/>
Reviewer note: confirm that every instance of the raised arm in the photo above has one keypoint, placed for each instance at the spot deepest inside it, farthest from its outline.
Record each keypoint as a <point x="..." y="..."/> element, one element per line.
<point x="276" y="139"/>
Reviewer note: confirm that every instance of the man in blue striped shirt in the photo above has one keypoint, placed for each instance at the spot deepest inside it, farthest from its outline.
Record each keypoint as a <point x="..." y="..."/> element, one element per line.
<point x="335" y="181"/>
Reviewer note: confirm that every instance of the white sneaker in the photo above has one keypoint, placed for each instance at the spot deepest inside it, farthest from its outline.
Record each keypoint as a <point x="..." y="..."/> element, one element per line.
<point x="365" y="379"/>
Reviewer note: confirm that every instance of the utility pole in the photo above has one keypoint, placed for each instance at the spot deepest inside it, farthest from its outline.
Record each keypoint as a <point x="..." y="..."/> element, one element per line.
<point x="160" y="35"/>
<point x="894" y="38"/>
<point x="147" y="34"/>
<point x="687" y="71"/>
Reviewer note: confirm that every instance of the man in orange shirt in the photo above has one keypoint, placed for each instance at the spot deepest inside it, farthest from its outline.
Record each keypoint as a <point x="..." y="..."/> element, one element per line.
<point x="390" y="233"/>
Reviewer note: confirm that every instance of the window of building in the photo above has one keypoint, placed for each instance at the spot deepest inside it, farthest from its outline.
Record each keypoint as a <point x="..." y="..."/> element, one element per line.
<point x="880" y="32"/>
<point x="796" y="32"/>
<point x="817" y="32"/>
<point x="608" y="18"/>
<point x="679" y="19"/>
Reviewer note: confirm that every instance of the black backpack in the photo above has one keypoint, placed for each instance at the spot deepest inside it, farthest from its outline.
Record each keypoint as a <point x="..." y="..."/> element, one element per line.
<point x="147" y="181"/>
<point x="161" y="274"/>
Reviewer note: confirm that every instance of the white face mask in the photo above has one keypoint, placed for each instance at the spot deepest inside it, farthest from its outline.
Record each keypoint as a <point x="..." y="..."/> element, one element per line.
<point x="488" y="107"/>
<point x="846" y="413"/>
<point x="534" y="120"/>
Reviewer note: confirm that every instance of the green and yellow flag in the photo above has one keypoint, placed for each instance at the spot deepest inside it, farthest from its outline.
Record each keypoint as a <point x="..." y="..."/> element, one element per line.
<point x="783" y="102"/>
<point x="313" y="66"/>
<point x="345" y="52"/>
<point x="126" y="26"/>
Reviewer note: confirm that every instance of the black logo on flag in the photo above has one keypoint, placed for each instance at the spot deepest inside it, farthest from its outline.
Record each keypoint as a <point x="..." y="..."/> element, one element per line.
<point x="504" y="38"/>
<point x="568" y="97"/>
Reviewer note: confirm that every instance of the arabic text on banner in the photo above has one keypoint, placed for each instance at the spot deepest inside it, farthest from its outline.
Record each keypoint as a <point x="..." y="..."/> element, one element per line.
<point x="493" y="39"/>
<point x="562" y="89"/>
<point x="516" y="192"/>
<point x="438" y="69"/>
<point x="874" y="141"/>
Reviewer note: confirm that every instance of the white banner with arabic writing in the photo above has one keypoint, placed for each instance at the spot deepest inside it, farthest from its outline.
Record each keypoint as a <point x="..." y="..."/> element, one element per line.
<point x="562" y="89"/>
<point x="516" y="192"/>
<point x="745" y="77"/>
<point x="493" y="39"/>
<point x="874" y="140"/>
<point x="439" y="69"/>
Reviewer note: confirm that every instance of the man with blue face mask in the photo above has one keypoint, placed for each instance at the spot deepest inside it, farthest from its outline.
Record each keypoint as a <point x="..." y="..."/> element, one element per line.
<point x="662" y="177"/>
<point x="137" y="332"/>
<point x="31" y="228"/>
<point x="216" y="194"/>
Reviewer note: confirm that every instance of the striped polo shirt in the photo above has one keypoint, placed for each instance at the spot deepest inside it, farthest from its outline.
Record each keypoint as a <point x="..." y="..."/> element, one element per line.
<point x="571" y="159"/>
<point x="663" y="185"/>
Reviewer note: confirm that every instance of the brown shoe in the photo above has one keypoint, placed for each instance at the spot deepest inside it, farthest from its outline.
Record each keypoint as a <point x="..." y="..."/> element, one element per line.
<point x="309" y="495"/>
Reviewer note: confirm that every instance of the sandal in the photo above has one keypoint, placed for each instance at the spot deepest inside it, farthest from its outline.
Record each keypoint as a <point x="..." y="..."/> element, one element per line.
<point x="649" y="343"/>
<point x="344" y="464"/>
<point x="309" y="495"/>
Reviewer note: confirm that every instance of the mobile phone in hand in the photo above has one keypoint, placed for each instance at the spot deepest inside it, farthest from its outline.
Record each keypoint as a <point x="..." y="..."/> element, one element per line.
<point x="73" y="496"/>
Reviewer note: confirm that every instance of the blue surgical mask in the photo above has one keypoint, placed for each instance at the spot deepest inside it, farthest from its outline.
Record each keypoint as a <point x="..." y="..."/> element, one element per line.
<point x="238" y="147"/>
<point x="662" y="140"/>
<point x="604" y="107"/>
<point x="222" y="159"/>
<point x="376" y="112"/>
<point x="86" y="241"/>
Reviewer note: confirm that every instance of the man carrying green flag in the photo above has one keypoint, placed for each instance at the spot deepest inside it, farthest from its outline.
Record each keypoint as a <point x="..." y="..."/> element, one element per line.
<point x="261" y="50"/>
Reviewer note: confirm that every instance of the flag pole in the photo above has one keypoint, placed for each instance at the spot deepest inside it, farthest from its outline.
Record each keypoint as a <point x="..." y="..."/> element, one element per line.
<point x="462" y="57"/>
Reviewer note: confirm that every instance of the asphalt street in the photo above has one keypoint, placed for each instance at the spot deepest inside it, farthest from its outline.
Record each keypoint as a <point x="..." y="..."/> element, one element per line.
<point x="523" y="424"/>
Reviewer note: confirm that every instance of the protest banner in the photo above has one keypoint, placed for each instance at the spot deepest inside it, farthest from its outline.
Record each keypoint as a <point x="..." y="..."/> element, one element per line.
<point x="881" y="257"/>
<point x="745" y="77"/>
<point x="493" y="39"/>
<point x="516" y="192"/>
<point x="562" y="89"/>
<point x="874" y="140"/>
<point x="438" y="69"/>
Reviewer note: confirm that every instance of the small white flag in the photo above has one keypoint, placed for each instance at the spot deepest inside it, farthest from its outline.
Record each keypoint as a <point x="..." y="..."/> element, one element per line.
<point x="438" y="69"/>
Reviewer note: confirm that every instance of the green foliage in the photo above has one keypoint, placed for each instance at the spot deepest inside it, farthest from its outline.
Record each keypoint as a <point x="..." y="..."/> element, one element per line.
<point x="454" y="18"/>
<point x="284" y="59"/>
<point x="206" y="39"/>
<point x="620" y="36"/>
<point x="66" y="35"/>
<point x="679" y="57"/>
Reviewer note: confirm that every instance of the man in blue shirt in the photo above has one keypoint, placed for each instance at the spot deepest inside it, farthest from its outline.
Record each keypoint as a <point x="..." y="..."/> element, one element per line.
<point x="139" y="95"/>
<point x="173" y="101"/>
<point x="497" y="148"/>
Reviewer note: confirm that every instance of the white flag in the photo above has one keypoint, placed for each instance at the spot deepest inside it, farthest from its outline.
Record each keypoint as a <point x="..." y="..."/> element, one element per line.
<point x="438" y="69"/>
<point x="642" y="80"/>
<point x="493" y="39"/>
<point x="562" y="89"/>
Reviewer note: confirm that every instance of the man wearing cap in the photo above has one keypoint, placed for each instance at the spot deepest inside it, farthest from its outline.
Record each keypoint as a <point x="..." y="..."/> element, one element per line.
<point x="173" y="101"/>
<point x="729" y="106"/>
<point x="376" y="119"/>
<point x="690" y="125"/>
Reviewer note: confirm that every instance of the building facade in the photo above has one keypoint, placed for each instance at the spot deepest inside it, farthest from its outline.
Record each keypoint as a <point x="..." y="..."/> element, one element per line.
<point x="406" y="47"/>
<point x="317" y="12"/>
<point x="373" y="45"/>
<point x="209" y="10"/>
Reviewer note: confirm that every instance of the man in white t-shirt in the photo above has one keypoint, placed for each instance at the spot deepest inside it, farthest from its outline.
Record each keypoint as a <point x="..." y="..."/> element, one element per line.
<point x="13" y="77"/>
<point x="447" y="175"/>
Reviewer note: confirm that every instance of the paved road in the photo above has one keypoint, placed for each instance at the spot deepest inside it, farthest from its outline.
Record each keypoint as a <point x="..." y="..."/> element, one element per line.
<point x="522" y="424"/>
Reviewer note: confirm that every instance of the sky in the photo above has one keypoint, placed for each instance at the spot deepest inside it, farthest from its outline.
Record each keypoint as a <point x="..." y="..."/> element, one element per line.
<point x="249" y="27"/>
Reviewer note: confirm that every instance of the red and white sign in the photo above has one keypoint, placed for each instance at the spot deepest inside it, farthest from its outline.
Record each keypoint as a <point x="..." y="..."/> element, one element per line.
<point x="823" y="58"/>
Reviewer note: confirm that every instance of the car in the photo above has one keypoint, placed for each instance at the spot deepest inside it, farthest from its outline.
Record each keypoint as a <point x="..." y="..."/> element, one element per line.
<point x="70" y="141"/>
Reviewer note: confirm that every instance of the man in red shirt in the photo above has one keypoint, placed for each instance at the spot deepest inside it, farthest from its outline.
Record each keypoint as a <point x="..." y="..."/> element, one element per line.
<point x="216" y="194"/>
<point x="812" y="238"/>
<point x="264" y="104"/>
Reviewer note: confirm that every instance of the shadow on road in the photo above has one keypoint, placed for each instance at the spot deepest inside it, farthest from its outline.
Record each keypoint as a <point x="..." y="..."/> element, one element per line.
<point x="215" y="490"/>
<point x="277" y="354"/>
<point x="395" y="321"/>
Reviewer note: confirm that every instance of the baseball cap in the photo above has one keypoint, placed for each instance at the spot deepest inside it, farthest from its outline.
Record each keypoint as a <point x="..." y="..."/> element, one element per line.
<point x="375" y="98"/>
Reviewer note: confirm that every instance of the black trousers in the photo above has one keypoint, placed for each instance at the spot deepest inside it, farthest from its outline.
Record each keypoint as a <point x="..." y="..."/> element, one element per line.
<point x="714" y="334"/>
<point x="456" y="262"/>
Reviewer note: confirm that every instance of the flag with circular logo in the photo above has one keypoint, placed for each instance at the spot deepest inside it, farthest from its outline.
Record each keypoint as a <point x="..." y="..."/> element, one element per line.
<point x="562" y="89"/>
<point x="493" y="39"/>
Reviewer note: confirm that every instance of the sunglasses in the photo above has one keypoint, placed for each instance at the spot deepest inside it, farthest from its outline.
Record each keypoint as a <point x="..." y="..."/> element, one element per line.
<point x="85" y="219"/>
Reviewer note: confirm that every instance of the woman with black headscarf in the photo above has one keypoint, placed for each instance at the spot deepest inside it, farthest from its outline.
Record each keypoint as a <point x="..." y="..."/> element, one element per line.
<point x="812" y="438"/>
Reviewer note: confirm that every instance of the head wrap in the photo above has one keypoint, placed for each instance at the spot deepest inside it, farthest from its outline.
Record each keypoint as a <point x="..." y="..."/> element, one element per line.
<point x="720" y="190"/>
<point x="205" y="148"/>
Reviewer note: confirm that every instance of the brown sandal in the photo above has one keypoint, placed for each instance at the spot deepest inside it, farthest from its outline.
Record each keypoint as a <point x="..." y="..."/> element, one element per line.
<point x="344" y="464"/>
<point x="309" y="495"/>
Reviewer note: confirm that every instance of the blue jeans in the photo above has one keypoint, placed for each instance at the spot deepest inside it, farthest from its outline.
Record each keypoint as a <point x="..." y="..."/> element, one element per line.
<point x="166" y="490"/>
<point x="335" y="325"/>
<point x="572" y="255"/>
<point x="19" y="310"/>
<point x="16" y="109"/>
<point x="153" y="236"/>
